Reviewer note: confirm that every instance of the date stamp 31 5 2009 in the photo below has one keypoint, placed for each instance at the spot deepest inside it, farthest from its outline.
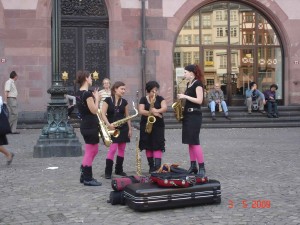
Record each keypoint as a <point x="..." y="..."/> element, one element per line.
<point x="254" y="204"/>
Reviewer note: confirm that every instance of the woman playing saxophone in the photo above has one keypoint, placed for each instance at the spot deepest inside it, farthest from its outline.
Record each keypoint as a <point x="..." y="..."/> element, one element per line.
<point x="192" y="117"/>
<point x="115" y="108"/>
<point x="153" y="142"/>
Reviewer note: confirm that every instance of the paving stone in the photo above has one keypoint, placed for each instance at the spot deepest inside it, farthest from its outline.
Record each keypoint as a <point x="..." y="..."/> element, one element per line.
<point x="252" y="164"/>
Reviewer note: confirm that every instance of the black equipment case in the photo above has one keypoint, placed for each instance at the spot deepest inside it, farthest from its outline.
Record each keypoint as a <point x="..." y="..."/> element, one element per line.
<point x="148" y="196"/>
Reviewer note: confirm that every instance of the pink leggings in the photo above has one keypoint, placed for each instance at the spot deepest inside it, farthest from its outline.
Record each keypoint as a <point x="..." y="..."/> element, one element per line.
<point x="113" y="148"/>
<point x="154" y="154"/>
<point x="196" y="153"/>
<point x="89" y="154"/>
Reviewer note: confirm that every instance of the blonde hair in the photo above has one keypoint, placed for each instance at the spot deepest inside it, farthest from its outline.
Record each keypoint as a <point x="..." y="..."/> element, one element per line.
<point x="106" y="79"/>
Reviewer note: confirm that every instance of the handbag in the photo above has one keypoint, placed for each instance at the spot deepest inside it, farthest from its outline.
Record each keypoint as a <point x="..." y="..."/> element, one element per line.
<point x="4" y="123"/>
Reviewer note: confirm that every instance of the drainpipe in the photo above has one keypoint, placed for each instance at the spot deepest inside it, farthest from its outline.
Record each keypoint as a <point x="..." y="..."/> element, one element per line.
<point x="143" y="47"/>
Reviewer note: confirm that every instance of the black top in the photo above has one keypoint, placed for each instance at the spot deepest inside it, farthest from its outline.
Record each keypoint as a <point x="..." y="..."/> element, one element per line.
<point x="116" y="112"/>
<point x="85" y="113"/>
<point x="89" y="126"/>
<point x="156" y="139"/>
<point x="191" y="91"/>
<point x="157" y="105"/>
<point x="192" y="121"/>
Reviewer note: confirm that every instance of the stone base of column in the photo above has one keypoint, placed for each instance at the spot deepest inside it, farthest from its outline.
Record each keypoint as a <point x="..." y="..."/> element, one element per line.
<point x="57" y="147"/>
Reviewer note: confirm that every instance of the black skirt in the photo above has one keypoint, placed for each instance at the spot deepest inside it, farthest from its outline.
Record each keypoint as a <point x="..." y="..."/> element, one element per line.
<point x="191" y="126"/>
<point x="3" y="140"/>
<point x="153" y="141"/>
<point x="89" y="130"/>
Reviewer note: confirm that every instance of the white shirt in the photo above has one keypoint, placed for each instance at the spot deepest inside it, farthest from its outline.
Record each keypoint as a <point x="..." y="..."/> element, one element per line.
<point x="11" y="88"/>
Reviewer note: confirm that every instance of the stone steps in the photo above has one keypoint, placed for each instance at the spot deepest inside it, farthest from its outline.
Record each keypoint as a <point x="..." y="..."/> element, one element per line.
<point x="289" y="117"/>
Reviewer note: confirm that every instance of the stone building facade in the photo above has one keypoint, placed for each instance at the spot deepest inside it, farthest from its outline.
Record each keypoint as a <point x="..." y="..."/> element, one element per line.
<point x="25" y="45"/>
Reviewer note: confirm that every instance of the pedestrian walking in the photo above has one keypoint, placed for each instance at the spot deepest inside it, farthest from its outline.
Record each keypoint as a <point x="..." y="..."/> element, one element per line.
<point x="10" y="98"/>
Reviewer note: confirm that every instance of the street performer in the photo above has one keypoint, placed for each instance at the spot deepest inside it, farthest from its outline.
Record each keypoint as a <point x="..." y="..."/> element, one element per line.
<point x="192" y="117"/>
<point x="115" y="108"/>
<point x="152" y="126"/>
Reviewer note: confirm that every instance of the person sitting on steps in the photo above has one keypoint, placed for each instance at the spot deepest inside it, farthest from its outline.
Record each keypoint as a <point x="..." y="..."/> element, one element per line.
<point x="255" y="99"/>
<point x="270" y="96"/>
<point x="216" y="97"/>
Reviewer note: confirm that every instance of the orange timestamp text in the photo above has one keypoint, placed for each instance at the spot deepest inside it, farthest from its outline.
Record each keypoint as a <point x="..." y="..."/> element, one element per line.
<point x="254" y="204"/>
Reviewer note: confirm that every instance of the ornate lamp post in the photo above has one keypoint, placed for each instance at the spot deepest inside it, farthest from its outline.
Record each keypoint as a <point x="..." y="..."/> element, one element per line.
<point x="58" y="138"/>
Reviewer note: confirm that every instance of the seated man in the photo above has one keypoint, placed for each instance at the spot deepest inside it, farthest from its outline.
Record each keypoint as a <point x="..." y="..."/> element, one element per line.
<point x="255" y="98"/>
<point x="214" y="97"/>
<point x="270" y="96"/>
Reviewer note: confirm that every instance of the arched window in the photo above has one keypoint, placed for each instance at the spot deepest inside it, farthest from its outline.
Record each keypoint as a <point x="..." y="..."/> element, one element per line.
<point x="234" y="44"/>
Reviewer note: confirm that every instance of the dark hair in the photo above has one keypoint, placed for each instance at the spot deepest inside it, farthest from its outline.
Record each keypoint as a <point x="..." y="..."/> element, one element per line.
<point x="274" y="85"/>
<point x="116" y="85"/>
<point x="197" y="71"/>
<point x="81" y="75"/>
<point x="150" y="85"/>
<point x="13" y="74"/>
<point x="251" y="84"/>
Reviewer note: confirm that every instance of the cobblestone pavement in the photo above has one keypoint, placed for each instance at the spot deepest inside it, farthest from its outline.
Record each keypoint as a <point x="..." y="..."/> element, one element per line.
<point x="252" y="165"/>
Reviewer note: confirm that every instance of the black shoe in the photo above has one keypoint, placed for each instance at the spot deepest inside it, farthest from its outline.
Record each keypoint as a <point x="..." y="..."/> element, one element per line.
<point x="92" y="182"/>
<point x="269" y="116"/>
<point x="11" y="159"/>
<point x="121" y="173"/>
<point x="201" y="172"/>
<point x="81" y="174"/>
<point x="107" y="176"/>
<point x="275" y="115"/>
<point x="88" y="179"/>
<point x="108" y="168"/>
<point x="227" y="117"/>
<point x="213" y="118"/>
<point x="119" y="166"/>
<point x="15" y="132"/>
<point x="193" y="169"/>
<point x="151" y="164"/>
<point x="262" y="111"/>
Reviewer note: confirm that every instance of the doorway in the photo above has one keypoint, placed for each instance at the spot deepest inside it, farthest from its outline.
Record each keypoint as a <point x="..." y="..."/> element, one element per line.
<point x="234" y="44"/>
<point x="84" y="41"/>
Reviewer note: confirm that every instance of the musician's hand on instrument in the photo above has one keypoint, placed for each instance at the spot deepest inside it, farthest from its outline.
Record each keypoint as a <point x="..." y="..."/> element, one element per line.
<point x="157" y="114"/>
<point x="111" y="127"/>
<point x="181" y="96"/>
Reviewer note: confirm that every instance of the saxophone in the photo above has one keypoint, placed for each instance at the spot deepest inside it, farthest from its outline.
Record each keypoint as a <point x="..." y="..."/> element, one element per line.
<point x="124" y="120"/>
<point x="138" y="158"/>
<point x="104" y="133"/>
<point x="150" y="119"/>
<point x="178" y="106"/>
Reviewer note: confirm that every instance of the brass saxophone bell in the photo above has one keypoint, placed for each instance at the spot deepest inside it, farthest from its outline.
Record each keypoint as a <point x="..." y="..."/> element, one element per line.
<point x="115" y="133"/>
<point x="151" y="119"/>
